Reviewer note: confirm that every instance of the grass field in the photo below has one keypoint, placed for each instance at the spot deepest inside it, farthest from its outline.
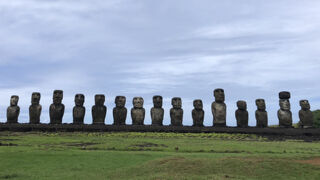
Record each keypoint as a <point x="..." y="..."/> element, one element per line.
<point x="155" y="156"/>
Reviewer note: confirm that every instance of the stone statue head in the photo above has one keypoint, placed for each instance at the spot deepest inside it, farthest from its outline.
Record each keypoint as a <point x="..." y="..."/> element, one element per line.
<point x="79" y="99"/>
<point x="99" y="99"/>
<point x="219" y="95"/>
<point x="176" y="102"/>
<point x="197" y="104"/>
<point x="57" y="96"/>
<point x="35" y="98"/>
<point x="242" y="105"/>
<point x="14" y="100"/>
<point x="284" y="104"/>
<point x="157" y="101"/>
<point x="261" y="104"/>
<point x="305" y="105"/>
<point x="137" y="102"/>
<point x="120" y="101"/>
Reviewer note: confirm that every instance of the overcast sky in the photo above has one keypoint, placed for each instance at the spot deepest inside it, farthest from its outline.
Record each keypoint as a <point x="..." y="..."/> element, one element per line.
<point x="186" y="48"/>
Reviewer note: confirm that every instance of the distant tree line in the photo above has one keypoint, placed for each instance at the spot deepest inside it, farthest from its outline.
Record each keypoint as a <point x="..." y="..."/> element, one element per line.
<point x="316" y="118"/>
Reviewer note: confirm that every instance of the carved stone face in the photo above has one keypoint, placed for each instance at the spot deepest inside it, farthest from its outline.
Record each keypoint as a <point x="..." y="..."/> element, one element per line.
<point x="57" y="96"/>
<point x="35" y="98"/>
<point x="219" y="95"/>
<point x="261" y="104"/>
<point x="120" y="101"/>
<point x="157" y="101"/>
<point x="197" y="104"/>
<point x="14" y="100"/>
<point x="176" y="102"/>
<point x="99" y="99"/>
<point x="284" y="104"/>
<point x="305" y="105"/>
<point x="242" y="105"/>
<point x="79" y="99"/>
<point x="137" y="102"/>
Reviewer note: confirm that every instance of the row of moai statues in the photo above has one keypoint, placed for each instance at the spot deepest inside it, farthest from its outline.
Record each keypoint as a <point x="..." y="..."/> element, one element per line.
<point x="218" y="107"/>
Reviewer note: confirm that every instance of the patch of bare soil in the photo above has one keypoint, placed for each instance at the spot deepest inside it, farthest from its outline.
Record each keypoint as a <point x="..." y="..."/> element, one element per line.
<point x="314" y="161"/>
<point x="80" y="144"/>
<point x="7" y="144"/>
<point x="148" y="144"/>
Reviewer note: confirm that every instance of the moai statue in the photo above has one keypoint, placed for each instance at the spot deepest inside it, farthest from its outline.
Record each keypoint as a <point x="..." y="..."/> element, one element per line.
<point x="198" y="113"/>
<point x="35" y="108"/>
<point x="305" y="115"/>
<point x="157" y="112"/>
<point x="242" y="114"/>
<point x="261" y="114"/>
<point x="176" y="113"/>
<point x="99" y="110"/>
<point x="13" y="110"/>
<point x="219" y="108"/>
<point x="284" y="113"/>
<point x="120" y="111"/>
<point x="56" y="109"/>
<point x="79" y="110"/>
<point x="137" y="112"/>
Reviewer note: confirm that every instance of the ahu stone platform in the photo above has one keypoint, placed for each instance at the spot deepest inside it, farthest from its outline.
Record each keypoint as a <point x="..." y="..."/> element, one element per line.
<point x="294" y="133"/>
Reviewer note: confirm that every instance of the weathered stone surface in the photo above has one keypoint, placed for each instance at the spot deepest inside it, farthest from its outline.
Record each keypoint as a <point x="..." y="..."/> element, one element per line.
<point x="305" y="115"/>
<point x="261" y="114"/>
<point x="79" y="110"/>
<point x="284" y="113"/>
<point x="99" y="110"/>
<point x="13" y="110"/>
<point x="198" y="113"/>
<point x="176" y="112"/>
<point x="56" y="109"/>
<point x="137" y="112"/>
<point x="120" y="111"/>
<point x="35" y="108"/>
<point x="219" y="108"/>
<point x="284" y="95"/>
<point x="242" y="114"/>
<point x="157" y="112"/>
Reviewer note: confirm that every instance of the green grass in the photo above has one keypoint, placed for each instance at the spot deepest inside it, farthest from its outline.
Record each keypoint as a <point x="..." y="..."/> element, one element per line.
<point x="155" y="156"/>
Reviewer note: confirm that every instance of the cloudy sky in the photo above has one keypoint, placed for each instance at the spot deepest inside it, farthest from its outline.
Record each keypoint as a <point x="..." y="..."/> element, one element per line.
<point x="186" y="48"/>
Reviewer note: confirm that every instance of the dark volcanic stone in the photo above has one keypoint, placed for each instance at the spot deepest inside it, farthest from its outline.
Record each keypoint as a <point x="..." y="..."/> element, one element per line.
<point x="79" y="110"/>
<point x="120" y="111"/>
<point x="219" y="108"/>
<point x="13" y="110"/>
<point x="305" y="115"/>
<point x="261" y="114"/>
<point x="137" y="112"/>
<point x="284" y="114"/>
<point x="284" y="95"/>
<point x="157" y="112"/>
<point x="56" y="109"/>
<point x="176" y="113"/>
<point x="198" y="113"/>
<point x="35" y="108"/>
<point x="242" y="114"/>
<point x="99" y="110"/>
